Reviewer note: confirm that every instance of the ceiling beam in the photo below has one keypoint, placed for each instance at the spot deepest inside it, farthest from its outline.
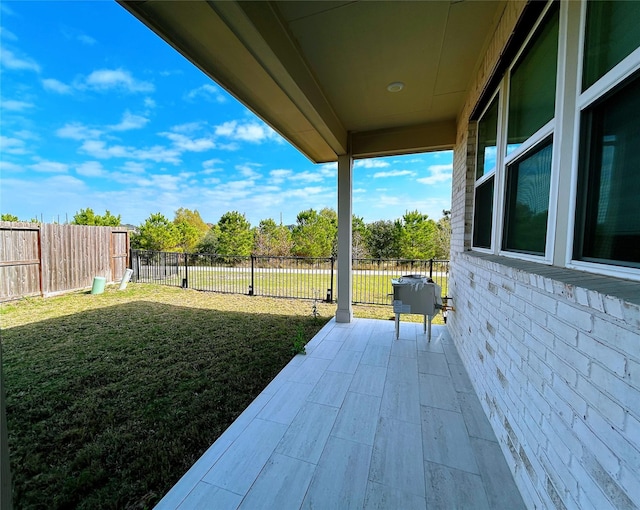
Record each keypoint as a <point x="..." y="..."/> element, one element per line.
<point x="280" y="55"/>
<point x="433" y="136"/>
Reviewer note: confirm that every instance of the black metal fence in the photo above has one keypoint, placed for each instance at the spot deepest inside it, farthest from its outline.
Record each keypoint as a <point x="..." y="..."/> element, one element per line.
<point x="287" y="277"/>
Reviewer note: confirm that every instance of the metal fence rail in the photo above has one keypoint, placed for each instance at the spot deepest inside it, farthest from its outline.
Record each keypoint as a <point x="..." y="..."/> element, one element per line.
<point x="372" y="277"/>
<point x="286" y="277"/>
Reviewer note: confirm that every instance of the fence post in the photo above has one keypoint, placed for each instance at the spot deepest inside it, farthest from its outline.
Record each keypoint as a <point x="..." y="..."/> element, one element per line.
<point x="431" y="268"/>
<point x="186" y="270"/>
<point x="251" y="291"/>
<point x="330" y="290"/>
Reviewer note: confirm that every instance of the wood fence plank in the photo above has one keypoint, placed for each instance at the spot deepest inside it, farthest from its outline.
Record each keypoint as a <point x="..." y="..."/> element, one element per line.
<point x="50" y="259"/>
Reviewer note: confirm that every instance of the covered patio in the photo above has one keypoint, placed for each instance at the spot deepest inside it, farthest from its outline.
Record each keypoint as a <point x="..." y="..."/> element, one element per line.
<point x="361" y="421"/>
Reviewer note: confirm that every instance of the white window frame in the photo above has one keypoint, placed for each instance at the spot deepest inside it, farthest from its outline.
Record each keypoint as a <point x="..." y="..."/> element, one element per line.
<point x="617" y="75"/>
<point x="503" y="160"/>
<point x="565" y="128"/>
<point x="492" y="173"/>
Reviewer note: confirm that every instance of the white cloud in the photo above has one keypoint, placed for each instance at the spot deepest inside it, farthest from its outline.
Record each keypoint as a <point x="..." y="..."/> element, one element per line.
<point x="86" y="39"/>
<point x="307" y="177"/>
<point x="9" y="145"/>
<point x="50" y="167"/>
<point x="53" y="85"/>
<point x="9" y="60"/>
<point x="15" y="106"/>
<point x="98" y="149"/>
<point x="210" y="166"/>
<point x="439" y="173"/>
<point x="130" y="121"/>
<point x="208" y="92"/>
<point x="393" y="173"/>
<point x="247" y="171"/>
<point x="149" y="102"/>
<point x="328" y="169"/>
<point x="160" y="181"/>
<point x="106" y="79"/>
<point x="6" y="34"/>
<point x="279" y="175"/>
<point x="252" y="133"/>
<point x="133" y="167"/>
<point x="359" y="190"/>
<point x="210" y="163"/>
<point x="77" y="35"/>
<point x="185" y="144"/>
<point x="248" y="132"/>
<point x="226" y="129"/>
<point x="188" y="127"/>
<point x="77" y="131"/>
<point x="65" y="183"/>
<point x="7" y="166"/>
<point x="91" y="169"/>
<point x="306" y="191"/>
<point x="370" y="163"/>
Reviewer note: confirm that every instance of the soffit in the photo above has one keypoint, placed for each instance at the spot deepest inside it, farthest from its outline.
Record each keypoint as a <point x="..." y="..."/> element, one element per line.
<point x="317" y="71"/>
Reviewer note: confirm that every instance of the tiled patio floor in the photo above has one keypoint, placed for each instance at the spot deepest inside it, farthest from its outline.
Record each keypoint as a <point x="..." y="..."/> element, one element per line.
<point x="362" y="421"/>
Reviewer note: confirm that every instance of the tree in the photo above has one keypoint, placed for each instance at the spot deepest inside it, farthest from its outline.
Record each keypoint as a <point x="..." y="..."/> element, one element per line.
<point x="8" y="217"/>
<point x="157" y="233"/>
<point x="272" y="239"/>
<point x="209" y="243"/>
<point x="384" y="239"/>
<point x="315" y="234"/>
<point x="417" y="238"/>
<point x="88" y="217"/>
<point x="191" y="229"/>
<point x="442" y="236"/>
<point x="235" y="237"/>
<point x="359" y="238"/>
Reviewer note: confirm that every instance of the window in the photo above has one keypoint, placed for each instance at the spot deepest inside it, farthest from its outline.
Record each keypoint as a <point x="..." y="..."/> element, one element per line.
<point x="557" y="175"/>
<point x="532" y="88"/>
<point x="487" y="140"/>
<point x="483" y="215"/>
<point x="486" y="154"/>
<point x="608" y="209"/>
<point x="611" y="34"/>
<point x="527" y="207"/>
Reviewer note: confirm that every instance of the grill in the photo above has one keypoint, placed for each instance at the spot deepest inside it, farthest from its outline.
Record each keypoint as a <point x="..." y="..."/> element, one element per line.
<point x="416" y="294"/>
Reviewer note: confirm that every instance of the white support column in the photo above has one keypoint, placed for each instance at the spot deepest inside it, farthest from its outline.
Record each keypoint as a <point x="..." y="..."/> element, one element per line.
<point x="344" y="313"/>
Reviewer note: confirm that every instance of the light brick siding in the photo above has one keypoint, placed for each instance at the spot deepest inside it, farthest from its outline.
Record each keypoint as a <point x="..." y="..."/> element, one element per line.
<point x="553" y="354"/>
<point x="559" y="379"/>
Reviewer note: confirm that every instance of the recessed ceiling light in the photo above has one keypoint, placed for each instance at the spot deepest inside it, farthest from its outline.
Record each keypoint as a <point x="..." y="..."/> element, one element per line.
<point x="396" y="86"/>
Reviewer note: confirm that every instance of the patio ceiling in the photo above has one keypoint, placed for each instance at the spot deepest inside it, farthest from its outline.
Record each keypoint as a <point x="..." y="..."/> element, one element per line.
<point x="318" y="71"/>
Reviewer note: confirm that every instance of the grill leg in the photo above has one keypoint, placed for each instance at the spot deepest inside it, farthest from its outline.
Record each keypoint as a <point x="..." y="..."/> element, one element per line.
<point x="429" y="336"/>
<point x="397" y="326"/>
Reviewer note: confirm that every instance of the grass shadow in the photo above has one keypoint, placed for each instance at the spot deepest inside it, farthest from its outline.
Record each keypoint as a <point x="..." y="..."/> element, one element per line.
<point x="108" y="408"/>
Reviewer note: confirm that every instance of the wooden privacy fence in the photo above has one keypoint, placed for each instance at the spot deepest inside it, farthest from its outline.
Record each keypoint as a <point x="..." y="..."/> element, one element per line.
<point x="44" y="259"/>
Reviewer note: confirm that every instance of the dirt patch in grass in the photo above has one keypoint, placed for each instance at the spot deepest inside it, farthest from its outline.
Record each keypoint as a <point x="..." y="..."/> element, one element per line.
<point x="112" y="397"/>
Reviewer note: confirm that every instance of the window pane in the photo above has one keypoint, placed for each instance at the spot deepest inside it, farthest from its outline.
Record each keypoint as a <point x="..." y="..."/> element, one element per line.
<point x="527" y="202"/>
<point x="487" y="136"/>
<point x="608" y="224"/>
<point x="611" y="34"/>
<point x="483" y="215"/>
<point x="532" y="90"/>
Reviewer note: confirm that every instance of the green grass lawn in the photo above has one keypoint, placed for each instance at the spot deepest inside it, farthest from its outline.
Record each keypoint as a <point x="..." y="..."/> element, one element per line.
<point x="112" y="397"/>
<point x="368" y="286"/>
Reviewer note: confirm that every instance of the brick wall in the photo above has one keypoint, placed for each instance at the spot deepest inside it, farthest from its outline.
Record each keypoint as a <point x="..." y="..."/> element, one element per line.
<point x="556" y="365"/>
<point x="554" y="354"/>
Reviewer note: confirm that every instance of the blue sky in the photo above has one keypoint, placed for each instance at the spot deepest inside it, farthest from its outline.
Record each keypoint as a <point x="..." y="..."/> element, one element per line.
<point x="97" y="111"/>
